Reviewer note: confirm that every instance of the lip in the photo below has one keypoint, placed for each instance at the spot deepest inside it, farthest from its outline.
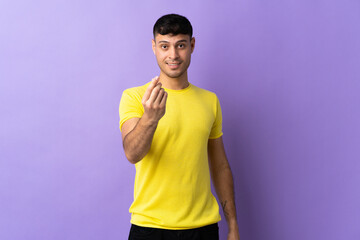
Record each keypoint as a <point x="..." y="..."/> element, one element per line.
<point x="173" y="65"/>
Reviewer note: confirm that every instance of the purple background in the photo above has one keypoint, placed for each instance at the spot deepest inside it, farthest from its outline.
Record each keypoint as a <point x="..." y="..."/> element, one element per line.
<point x="286" y="72"/>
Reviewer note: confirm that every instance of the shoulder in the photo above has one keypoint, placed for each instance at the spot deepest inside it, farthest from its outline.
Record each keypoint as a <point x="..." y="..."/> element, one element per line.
<point x="136" y="91"/>
<point x="204" y="92"/>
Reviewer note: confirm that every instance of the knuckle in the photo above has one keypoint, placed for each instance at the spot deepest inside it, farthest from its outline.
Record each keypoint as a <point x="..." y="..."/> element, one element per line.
<point x="148" y="104"/>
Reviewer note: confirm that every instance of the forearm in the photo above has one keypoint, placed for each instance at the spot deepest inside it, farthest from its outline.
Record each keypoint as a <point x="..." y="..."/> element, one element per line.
<point x="224" y="186"/>
<point x="137" y="142"/>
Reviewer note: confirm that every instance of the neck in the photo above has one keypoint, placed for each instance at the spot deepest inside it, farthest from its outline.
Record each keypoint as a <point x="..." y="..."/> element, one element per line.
<point x="174" y="83"/>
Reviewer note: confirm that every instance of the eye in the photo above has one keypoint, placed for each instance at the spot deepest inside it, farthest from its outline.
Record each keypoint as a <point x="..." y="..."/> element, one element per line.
<point x="181" y="45"/>
<point x="163" y="46"/>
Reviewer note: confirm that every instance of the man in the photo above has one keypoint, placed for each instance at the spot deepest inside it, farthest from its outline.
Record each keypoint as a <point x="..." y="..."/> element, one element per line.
<point x="172" y="132"/>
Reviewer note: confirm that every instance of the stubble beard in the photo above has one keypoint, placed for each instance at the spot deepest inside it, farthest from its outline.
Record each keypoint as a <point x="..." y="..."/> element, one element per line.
<point x="174" y="74"/>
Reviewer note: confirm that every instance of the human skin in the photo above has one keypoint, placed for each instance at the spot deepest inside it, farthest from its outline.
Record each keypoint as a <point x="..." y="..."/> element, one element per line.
<point x="138" y="133"/>
<point x="224" y="185"/>
<point x="173" y="55"/>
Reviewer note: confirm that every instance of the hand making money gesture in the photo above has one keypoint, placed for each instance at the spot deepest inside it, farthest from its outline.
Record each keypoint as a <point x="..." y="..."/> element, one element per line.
<point x="154" y="101"/>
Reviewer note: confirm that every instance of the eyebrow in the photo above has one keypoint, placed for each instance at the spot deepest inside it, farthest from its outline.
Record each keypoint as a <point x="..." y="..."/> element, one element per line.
<point x="180" y="41"/>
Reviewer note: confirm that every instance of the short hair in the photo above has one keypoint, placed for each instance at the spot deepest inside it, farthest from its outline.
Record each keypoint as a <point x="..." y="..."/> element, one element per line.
<point x="173" y="24"/>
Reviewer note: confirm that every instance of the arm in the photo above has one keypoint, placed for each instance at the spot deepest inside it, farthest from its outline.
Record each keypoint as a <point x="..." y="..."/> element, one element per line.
<point x="224" y="184"/>
<point x="137" y="133"/>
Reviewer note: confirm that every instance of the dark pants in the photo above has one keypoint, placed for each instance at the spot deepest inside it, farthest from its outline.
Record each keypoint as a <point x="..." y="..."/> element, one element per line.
<point x="210" y="232"/>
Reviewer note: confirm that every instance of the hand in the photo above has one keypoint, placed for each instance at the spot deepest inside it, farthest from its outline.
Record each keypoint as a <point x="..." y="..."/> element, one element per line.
<point x="154" y="101"/>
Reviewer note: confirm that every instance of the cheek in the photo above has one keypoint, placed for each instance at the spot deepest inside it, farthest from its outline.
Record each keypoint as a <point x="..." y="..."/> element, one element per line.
<point x="187" y="55"/>
<point x="159" y="56"/>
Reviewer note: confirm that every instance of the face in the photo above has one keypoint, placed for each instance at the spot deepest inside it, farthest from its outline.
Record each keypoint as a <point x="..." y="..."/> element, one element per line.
<point x="173" y="53"/>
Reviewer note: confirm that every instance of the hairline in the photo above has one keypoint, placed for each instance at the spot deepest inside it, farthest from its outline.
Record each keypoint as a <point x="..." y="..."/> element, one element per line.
<point x="173" y="35"/>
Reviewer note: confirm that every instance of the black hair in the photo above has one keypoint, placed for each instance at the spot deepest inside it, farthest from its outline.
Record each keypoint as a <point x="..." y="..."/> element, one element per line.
<point x="173" y="24"/>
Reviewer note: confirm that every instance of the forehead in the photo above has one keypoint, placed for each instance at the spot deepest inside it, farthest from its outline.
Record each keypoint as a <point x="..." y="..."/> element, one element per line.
<point x="170" y="38"/>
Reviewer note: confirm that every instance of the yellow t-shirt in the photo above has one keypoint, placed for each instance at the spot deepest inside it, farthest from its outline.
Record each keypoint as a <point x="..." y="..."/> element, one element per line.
<point x="172" y="183"/>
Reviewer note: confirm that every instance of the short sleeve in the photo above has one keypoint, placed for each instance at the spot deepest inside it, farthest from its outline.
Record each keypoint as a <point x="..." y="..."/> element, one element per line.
<point x="130" y="107"/>
<point x="216" y="130"/>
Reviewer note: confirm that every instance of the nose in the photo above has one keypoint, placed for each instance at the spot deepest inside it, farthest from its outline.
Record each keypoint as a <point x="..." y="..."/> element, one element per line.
<point x="173" y="54"/>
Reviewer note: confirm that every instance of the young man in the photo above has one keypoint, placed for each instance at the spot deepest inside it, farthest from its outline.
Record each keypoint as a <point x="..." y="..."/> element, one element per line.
<point x="172" y="132"/>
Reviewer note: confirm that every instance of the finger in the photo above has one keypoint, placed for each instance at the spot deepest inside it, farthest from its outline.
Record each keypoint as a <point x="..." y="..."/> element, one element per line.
<point x="155" y="80"/>
<point x="154" y="93"/>
<point x="159" y="96"/>
<point x="163" y="100"/>
<point x="151" y="86"/>
<point x="149" y="89"/>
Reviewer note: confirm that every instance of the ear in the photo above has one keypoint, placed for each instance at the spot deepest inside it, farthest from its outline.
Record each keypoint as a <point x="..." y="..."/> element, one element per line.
<point x="153" y="45"/>
<point x="192" y="43"/>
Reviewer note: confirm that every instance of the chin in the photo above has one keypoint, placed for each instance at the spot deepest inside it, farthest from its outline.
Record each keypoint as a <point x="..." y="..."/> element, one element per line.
<point x="174" y="75"/>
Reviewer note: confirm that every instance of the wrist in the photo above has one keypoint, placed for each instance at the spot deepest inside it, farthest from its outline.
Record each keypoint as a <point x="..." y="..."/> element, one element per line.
<point x="148" y="122"/>
<point x="233" y="225"/>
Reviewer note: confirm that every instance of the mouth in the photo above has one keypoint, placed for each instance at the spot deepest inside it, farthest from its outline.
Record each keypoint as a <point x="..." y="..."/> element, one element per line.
<point x="173" y="65"/>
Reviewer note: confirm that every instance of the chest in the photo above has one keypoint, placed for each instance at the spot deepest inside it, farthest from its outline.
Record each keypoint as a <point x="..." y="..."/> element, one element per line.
<point x="186" y="117"/>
